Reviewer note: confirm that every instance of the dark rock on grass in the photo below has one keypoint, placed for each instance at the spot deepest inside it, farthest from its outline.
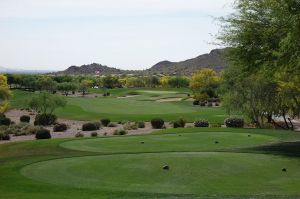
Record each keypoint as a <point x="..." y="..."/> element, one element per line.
<point x="166" y="167"/>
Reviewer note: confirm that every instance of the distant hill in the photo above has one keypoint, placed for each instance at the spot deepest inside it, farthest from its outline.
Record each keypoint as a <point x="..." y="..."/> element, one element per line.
<point x="91" y="69"/>
<point x="212" y="60"/>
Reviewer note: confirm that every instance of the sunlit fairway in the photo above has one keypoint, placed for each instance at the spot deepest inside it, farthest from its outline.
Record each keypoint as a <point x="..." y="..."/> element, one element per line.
<point x="203" y="163"/>
<point x="143" y="107"/>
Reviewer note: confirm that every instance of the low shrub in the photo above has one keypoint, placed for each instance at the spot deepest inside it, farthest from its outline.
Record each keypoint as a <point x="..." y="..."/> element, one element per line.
<point x="5" y="121"/>
<point x="120" y="132"/>
<point x="140" y="125"/>
<point x="42" y="134"/>
<point x="202" y="104"/>
<point x="45" y="119"/>
<point x="2" y="115"/>
<point x="196" y="102"/>
<point x="130" y="126"/>
<point x="234" y="122"/>
<point x="209" y="104"/>
<point x="97" y="124"/>
<point x="29" y="130"/>
<point x="157" y="123"/>
<point x="217" y="104"/>
<point x="94" y="134"/>
<point x="216" y="125"/>
<point x="25" y="118"/>
<point x="201" y="123"/>
<point x="79" y="135"/>
<point x="180" y="123"/>
<point x="60" y="127"/>
<point x="268" y="126"/>
<point x="4" y="136"/>
<point x="105" y="121"/>
<point x="112" y="125"/>
<point x="89" y="127"/>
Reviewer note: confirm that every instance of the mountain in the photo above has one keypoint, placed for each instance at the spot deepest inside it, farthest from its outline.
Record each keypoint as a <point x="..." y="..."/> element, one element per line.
<point x="213" y="60"/>
<point x="91" y="69"/>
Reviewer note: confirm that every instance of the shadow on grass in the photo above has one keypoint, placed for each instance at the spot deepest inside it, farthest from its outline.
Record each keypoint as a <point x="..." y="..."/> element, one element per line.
<point x="284" y="148"/>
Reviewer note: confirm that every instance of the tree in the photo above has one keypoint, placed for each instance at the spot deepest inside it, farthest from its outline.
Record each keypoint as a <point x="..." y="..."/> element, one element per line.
<point x="84" y="86"/>
<point x="4" y="94"/>
<point x="66" y="87"/>
<point x="205" y="81"/>
<point x="263" y="36"/>
<point x="45" y="103"/>
<point x="179" y="82"/>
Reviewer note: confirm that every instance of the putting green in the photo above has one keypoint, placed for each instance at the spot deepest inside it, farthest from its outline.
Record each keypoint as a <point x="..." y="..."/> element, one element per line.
<point x="202" y="141"/>
<point x="190" y="173"/>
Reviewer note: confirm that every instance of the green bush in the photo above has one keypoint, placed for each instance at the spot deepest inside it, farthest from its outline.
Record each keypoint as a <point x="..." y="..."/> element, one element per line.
<point x="94" y="134"/>
<point x="201" y="123"/>
<point x="29" y="130"/>
<point x="60" y="127"/>
<point x="5" y="121"/>
<point x="42" y="134"/>
<point x="157" y="123"/>
<point x="131" y="126"/>
<point x="45" y="119"/>
<point x="89" y="127"/>
<point x="180" y="123"/>
<point x="209" y="104"/>
<point x="105" y="121"/>
<point x="202" y="104"/>
<point x="140" y="125"/>
<point x="25" y="118"/>
<point x="97" y="124"/>
<point x="234" y="122"/>
<point x="120" y="132"/>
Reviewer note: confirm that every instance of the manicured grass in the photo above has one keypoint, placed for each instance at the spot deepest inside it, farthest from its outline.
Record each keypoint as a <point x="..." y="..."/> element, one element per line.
<point x="123" y="167"/>
<point x="143" y="107"/>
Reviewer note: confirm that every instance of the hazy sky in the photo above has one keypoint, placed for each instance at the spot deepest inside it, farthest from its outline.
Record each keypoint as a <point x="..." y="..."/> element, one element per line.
<point x="127" y="34"/>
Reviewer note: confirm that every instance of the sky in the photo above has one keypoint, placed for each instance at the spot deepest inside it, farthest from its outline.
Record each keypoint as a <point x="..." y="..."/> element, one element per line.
<point x="126" y="34"/>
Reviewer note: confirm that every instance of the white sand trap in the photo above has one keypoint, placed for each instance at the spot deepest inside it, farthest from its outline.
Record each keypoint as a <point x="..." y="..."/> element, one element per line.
<point x="170" y="100"/>
<point x="128" y="96"/>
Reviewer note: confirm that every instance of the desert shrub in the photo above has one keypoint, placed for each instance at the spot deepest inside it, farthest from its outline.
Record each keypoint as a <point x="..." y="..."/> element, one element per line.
<point x="180" y="123"/>
<point x="5" y="121"/>
<point x="112" y="125"/>
<point x="60" y="127"/>
<point x="120" y="132"/>
<point x="201" y="123"/>
<point x="29" y="130"/>
<point x="202" y="104"/>
<point x="140" y="125"/>
<point x="4" y="136"/>
<point x="157" y="123"/>
<point x="42" y="134"/>
<point x="25" y="118"/>
<point x="79" y="135"/>
<point x="105" y="121"/>
<point x="45" y="119"/>
<point x="2" y="115"/>
<point x="209" y="104"/>
<point x="94" y="134"/>
<point x="234" y="122"/>
<point x="217" y="104"/>
<point x="196" y="102"/>
<point x="97" y="124"/>
<point x="89" y="127"/>
<point x="130" y="126"/>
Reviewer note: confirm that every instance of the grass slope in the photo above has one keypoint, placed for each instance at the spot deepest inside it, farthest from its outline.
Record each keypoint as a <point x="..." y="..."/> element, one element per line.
<point x="143" y="107"/>
<point x="126" y="172"/>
